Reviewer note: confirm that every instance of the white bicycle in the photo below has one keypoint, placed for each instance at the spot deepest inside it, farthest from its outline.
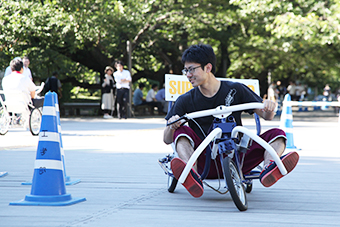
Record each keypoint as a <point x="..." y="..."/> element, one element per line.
<point x="14" y="112"/>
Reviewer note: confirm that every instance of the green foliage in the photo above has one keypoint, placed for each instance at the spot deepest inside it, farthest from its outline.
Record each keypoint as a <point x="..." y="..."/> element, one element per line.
<point x="293" y="40"/>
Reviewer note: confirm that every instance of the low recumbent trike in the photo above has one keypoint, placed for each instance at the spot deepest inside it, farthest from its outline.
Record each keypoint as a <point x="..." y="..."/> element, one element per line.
<point x="225" y="139"/>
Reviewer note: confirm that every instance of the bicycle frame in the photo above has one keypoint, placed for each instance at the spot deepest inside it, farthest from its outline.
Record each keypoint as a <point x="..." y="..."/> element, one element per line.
<point x="223" y="112"/>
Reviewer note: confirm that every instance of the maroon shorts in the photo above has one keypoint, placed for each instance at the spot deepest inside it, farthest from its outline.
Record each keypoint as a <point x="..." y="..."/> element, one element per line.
<point x="253" y="157"/>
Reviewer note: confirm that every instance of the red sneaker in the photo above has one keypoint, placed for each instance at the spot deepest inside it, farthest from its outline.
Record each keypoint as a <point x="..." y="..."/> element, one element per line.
<point x="271" y="174"/>
<point x="193" y="183"/>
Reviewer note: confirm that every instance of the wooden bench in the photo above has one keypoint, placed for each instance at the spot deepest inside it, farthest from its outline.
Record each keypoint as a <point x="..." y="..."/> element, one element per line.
<point x="141" y="110"/>
<point x="79" y="108"/>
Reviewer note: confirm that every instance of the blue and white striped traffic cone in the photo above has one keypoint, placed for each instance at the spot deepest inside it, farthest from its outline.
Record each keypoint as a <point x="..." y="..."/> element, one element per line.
<point x="68" y="180"/>
<point x="286" y="122"/>
<point x="48" y="185"/>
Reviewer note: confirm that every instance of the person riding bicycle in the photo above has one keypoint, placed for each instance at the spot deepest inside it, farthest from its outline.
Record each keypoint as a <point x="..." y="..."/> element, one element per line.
<point x="208" y="93"/>
<point x="17" y="81"/>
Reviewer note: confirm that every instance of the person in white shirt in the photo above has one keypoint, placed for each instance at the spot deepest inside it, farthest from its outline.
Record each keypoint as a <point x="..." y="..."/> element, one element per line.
<point x="123" y="79"/>
<point x="8" y="71"/>
<point x="27" y="71"/>
<point x="152" y="101"/>
<point x="17" y="81"/>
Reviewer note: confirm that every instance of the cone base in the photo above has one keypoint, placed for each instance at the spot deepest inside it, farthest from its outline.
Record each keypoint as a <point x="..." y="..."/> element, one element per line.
<point x="291" y="147"/>
<point x="2" y="174"/>
<point x="72" y="182"/>
<point x="60" y="200"/>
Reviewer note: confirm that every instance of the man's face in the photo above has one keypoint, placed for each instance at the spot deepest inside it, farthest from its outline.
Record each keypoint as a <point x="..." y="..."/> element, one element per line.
<point x="197" y="76"/>
<point x="119" y="67"/>
<point x="26" y="62"/>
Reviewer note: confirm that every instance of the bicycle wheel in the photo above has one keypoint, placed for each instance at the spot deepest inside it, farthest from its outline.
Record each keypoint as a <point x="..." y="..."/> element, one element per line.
<point x="4" y="121"/>
<point x="35" y="121"/>
<point x="234" y="183"/>
<point x="172" y="183"/>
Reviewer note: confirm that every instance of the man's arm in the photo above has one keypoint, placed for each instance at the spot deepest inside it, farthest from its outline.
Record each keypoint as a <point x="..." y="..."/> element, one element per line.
<point x="140" y="94"/>
<point x="32" y="94"/>
<point x="30" y="86"/>
<point x="169" y="130"/>
<point x="268" y="112"/>
<point x="127" y="78"/>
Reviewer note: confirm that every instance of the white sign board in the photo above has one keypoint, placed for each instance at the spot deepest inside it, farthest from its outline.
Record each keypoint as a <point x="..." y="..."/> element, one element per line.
<point x="176" y="85"/>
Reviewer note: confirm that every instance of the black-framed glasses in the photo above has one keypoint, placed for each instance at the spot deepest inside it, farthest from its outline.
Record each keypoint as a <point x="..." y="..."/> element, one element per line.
<point x="189" y="70"/>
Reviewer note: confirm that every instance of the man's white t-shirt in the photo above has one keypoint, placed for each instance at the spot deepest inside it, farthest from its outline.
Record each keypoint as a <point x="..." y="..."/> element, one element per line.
<point x="27" y="72"/>
<point x="125" y="74"/>
<point x="8" y="71"/>
<point x="150" y="96"/>
<point x="19" y="82"/>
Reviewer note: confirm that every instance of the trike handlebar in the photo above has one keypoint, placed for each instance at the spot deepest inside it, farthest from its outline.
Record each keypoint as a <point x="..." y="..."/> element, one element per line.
<point x="220" y="110"/>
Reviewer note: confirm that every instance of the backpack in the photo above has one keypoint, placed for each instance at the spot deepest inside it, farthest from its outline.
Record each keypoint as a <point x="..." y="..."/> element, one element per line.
<point x="51" y="85"/>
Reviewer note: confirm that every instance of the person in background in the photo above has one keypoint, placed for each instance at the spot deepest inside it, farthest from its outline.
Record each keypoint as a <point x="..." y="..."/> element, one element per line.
<point x="8" y="69"/>
<point x="27" y="71"/>
<point x="272" y="92"/>
<point x="291" y="89"/>
<point x="282" y="90"/>
<point x="160" y="97"/>
<point x="53" y="84"/>
<point x="138" y="95"/>
<point x="123" y="79"/>
<point x="108" y="98"/>
<point x="16" y="81"/>
<point x="327" y="92"/>
<point x="152" y="101"/>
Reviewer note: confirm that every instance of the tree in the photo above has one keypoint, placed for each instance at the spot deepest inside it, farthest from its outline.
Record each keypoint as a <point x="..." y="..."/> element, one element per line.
<point x="293" y="40"/>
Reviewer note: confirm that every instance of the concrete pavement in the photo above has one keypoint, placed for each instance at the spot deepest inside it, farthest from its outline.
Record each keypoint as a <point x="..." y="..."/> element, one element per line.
<point x="116" y="161"/>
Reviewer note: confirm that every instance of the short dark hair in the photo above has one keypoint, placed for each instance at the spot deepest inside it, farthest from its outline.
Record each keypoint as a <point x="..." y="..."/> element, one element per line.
<point x="16" y="64"/>
<point x="154" y="85"/>
<point x="141" y="85"/>
<point x="55" y="73"/>
<point x="119" y="63"/>
<point x="202" y="54"/>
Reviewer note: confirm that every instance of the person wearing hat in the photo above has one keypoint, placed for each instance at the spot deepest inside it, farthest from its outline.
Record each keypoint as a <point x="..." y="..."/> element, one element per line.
<point x="108" y="98"/>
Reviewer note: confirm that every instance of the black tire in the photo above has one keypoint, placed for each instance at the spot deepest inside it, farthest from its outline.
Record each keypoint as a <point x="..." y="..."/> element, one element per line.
<point x="234" y="183"/>
<point x="35" y="121"/>
<point x="249" y="187"/>
<point x="4" y="121"/>
<point x="172" y="183"/>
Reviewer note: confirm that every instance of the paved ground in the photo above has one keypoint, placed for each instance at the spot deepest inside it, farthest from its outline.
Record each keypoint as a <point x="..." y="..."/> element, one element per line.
<point x="116" y="161"/>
